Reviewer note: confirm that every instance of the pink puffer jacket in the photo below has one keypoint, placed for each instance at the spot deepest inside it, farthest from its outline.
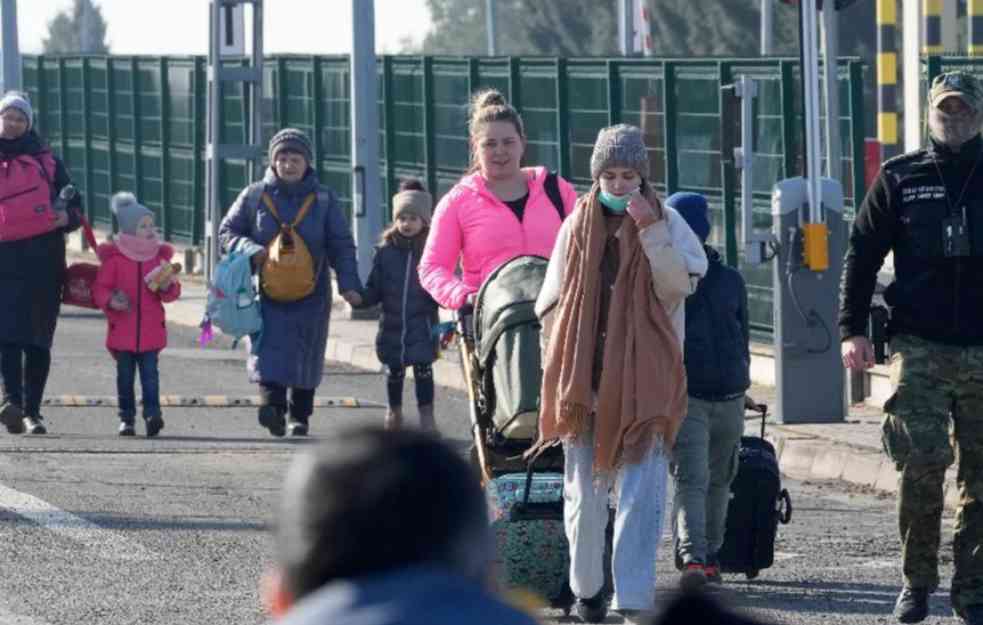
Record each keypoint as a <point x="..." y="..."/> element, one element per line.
<point x="142" y="328"/>
<point x="473" y="225"/>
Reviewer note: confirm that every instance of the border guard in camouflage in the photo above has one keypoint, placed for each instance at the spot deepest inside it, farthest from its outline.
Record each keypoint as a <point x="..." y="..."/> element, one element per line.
<point x="926" y="207"/>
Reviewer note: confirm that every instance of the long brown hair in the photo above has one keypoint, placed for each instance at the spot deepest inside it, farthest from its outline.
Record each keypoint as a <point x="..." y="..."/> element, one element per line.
<point x="486" y="107"/>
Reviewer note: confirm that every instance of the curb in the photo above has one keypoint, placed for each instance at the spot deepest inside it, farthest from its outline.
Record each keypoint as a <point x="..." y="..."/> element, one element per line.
<point x="804" y="457"/>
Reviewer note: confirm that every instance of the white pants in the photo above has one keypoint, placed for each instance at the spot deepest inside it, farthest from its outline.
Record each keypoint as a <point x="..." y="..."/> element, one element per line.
<point x="640" y="493"/>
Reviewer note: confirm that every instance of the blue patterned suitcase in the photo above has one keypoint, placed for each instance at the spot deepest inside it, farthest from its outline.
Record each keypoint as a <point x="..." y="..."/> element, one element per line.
<point x="532" y="553"/>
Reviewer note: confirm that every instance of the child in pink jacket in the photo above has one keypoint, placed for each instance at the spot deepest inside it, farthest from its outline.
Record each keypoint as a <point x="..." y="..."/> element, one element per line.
<point x="135" y="279"/>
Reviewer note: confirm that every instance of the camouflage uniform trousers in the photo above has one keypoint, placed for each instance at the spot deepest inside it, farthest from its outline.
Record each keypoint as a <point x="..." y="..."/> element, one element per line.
<point x="937" y="401"/>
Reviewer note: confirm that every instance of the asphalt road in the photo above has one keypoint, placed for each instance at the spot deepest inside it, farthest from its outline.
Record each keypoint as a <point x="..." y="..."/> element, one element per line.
<point x="98" y="529"/>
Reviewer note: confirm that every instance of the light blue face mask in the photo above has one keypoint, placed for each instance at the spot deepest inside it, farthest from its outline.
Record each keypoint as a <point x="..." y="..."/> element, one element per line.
<point x="617" y="204"/>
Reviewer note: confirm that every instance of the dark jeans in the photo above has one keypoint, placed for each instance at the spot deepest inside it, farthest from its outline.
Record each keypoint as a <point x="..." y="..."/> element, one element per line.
<point x="24" y="369"/>
<point x="301" y="405"/>
<point x="423" y="376"/>
<point x="127" y="364"/>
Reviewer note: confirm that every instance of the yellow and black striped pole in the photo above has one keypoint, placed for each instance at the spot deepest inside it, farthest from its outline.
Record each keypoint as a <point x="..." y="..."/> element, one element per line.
<point x="932" y="27"/>
<point x="887" y="78"/>
<point x="974" y="17"/>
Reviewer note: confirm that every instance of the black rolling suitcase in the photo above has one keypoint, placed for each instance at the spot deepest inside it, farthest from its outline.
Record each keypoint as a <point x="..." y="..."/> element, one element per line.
<point x="758" y="504"/>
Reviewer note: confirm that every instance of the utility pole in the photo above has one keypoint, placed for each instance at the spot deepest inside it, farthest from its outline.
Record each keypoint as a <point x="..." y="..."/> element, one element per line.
<point x="767" y="27"/>
<point x="366" y="203"/>
<point x="10" y="49"/>
<point x="490" y="27"/>
<point x="626" y="34"/>
<point x="831" y="76"/>
<point x="85" y="27"/>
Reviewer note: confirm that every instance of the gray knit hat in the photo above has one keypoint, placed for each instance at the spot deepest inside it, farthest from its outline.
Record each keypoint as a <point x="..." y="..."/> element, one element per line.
<point x="291" y="139"/>
<point x="19" y="101"/>
<point x="619" y="146"/>
<point x="128" y="211"/>
<point x="419" y="203"/>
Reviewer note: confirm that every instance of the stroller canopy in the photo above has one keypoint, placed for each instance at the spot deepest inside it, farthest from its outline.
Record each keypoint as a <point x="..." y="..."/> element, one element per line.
<point x="506" y="300"/>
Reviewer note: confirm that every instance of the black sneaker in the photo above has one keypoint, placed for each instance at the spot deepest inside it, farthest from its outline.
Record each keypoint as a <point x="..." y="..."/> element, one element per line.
<point x="126" y="429"/>
<point x="912" y="605"/>
<point x="271" y="418"/>
<point x="12" y="417"/>
<point x="694" y="576"/>
<point x="297" y="428"/>
<point x="154" y="425"/>
<point x="593" y="610"/>
<point x="34" y="424"/>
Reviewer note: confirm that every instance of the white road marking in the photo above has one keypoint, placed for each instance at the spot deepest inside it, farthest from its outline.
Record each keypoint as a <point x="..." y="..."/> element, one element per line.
<point x="105" y="543"/>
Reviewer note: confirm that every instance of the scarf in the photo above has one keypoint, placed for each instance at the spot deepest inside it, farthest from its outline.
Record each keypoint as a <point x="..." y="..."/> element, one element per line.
<point x="137" y="248"/>
<point x="641" y="399"/>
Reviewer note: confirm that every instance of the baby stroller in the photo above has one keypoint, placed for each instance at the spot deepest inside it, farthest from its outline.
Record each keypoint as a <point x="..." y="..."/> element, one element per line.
<point x="501" y="357"/>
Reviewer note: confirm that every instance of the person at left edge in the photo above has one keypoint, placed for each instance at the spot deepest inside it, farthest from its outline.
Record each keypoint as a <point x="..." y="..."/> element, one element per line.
<point x="32" y="269"/>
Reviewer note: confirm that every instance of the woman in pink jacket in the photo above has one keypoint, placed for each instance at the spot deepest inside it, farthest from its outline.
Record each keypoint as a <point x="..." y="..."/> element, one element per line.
<point x="135" y="278"/>
<point x="497" y="212"/>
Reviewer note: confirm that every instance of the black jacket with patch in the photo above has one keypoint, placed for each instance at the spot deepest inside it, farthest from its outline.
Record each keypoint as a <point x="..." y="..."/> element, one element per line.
<point x="933" y="296"/>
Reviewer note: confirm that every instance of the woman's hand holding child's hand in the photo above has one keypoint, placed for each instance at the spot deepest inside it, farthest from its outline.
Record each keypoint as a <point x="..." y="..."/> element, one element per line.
<point x="119" y="301"/>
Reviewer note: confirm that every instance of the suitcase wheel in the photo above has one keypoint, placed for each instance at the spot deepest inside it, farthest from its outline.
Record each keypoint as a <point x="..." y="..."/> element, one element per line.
<point x="752" y="573"/>
<point x="784" y="507"/>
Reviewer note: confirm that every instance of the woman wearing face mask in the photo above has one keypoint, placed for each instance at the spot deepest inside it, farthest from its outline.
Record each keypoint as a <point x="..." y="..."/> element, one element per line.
<point x="614" y="386"/>
<point x="290" y="354"/>
<point x="498" y="211"/>
<point x="33" y="224"/>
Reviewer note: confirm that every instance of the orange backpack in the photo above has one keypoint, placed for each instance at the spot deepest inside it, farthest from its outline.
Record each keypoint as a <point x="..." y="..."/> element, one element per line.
<point x="288" y="273"/>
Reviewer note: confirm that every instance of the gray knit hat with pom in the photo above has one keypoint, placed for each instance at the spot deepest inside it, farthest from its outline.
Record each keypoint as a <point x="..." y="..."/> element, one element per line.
<point x="128" y="211"/>
<point x="619" y="146"/>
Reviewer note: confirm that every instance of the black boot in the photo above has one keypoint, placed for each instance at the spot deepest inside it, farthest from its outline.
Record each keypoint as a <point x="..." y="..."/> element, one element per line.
<point x="12" y="417"/>
<point x="35" y="424"/>
<point x="593" y="610"/>
<point x="271" y="418"/>
<point x="912" y="605"/>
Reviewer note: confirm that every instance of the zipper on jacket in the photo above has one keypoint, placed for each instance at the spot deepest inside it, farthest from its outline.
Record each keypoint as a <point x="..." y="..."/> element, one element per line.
<point x="19" y="193"/>
<point x="139" y="297"/>
<point x="406" y="296"/>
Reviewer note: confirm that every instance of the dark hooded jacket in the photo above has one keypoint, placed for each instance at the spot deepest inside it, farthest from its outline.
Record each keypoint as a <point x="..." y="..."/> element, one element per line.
<point x="409" y="313"/>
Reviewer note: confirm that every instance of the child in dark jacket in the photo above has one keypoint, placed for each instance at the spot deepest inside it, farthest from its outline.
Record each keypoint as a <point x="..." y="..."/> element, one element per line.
<point x="135" y="278"/>
<point x="718" y="362"/>
<point x="409" y="314"/>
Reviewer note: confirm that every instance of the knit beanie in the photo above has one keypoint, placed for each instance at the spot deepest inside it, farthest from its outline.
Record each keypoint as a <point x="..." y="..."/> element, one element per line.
<point x="419" y="203"/>
<point x="19" y="101"/>
<point x="128" y="211"/>
<point x="693" y="207"/>
<point x="291" y="139"/>
<point x="619" y="146"/>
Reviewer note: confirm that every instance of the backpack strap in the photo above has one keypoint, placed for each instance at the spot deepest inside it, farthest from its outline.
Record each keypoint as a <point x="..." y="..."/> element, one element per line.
<point x="304" y="209"/>
<point x="552" y="187"/>
<point x="252" y="200"/>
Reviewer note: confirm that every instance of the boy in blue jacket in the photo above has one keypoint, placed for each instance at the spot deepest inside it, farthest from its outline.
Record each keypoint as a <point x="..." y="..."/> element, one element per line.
<point x="718" y="363"/>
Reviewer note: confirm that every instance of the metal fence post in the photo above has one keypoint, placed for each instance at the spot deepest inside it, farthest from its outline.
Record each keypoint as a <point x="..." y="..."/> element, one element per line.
<point x="788" y="119"/>
<point x="389" y="100"/>
<point x="137" y="123"/>
<point x="614" y="92"/>
<point x="729" y="180"/>
<point x="165" y="149"/>
<point x="562" y="118"/>
<point x="670" y="123"/>
<point x="429" y="147"/>
<point x="87" y="132"/>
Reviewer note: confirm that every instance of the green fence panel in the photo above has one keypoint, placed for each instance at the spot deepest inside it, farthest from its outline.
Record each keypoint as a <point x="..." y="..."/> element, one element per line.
<point x="139" y="124"/>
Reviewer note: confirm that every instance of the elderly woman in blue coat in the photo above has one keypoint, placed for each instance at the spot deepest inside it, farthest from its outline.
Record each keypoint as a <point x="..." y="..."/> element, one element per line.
<point x="290" y="354"/>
